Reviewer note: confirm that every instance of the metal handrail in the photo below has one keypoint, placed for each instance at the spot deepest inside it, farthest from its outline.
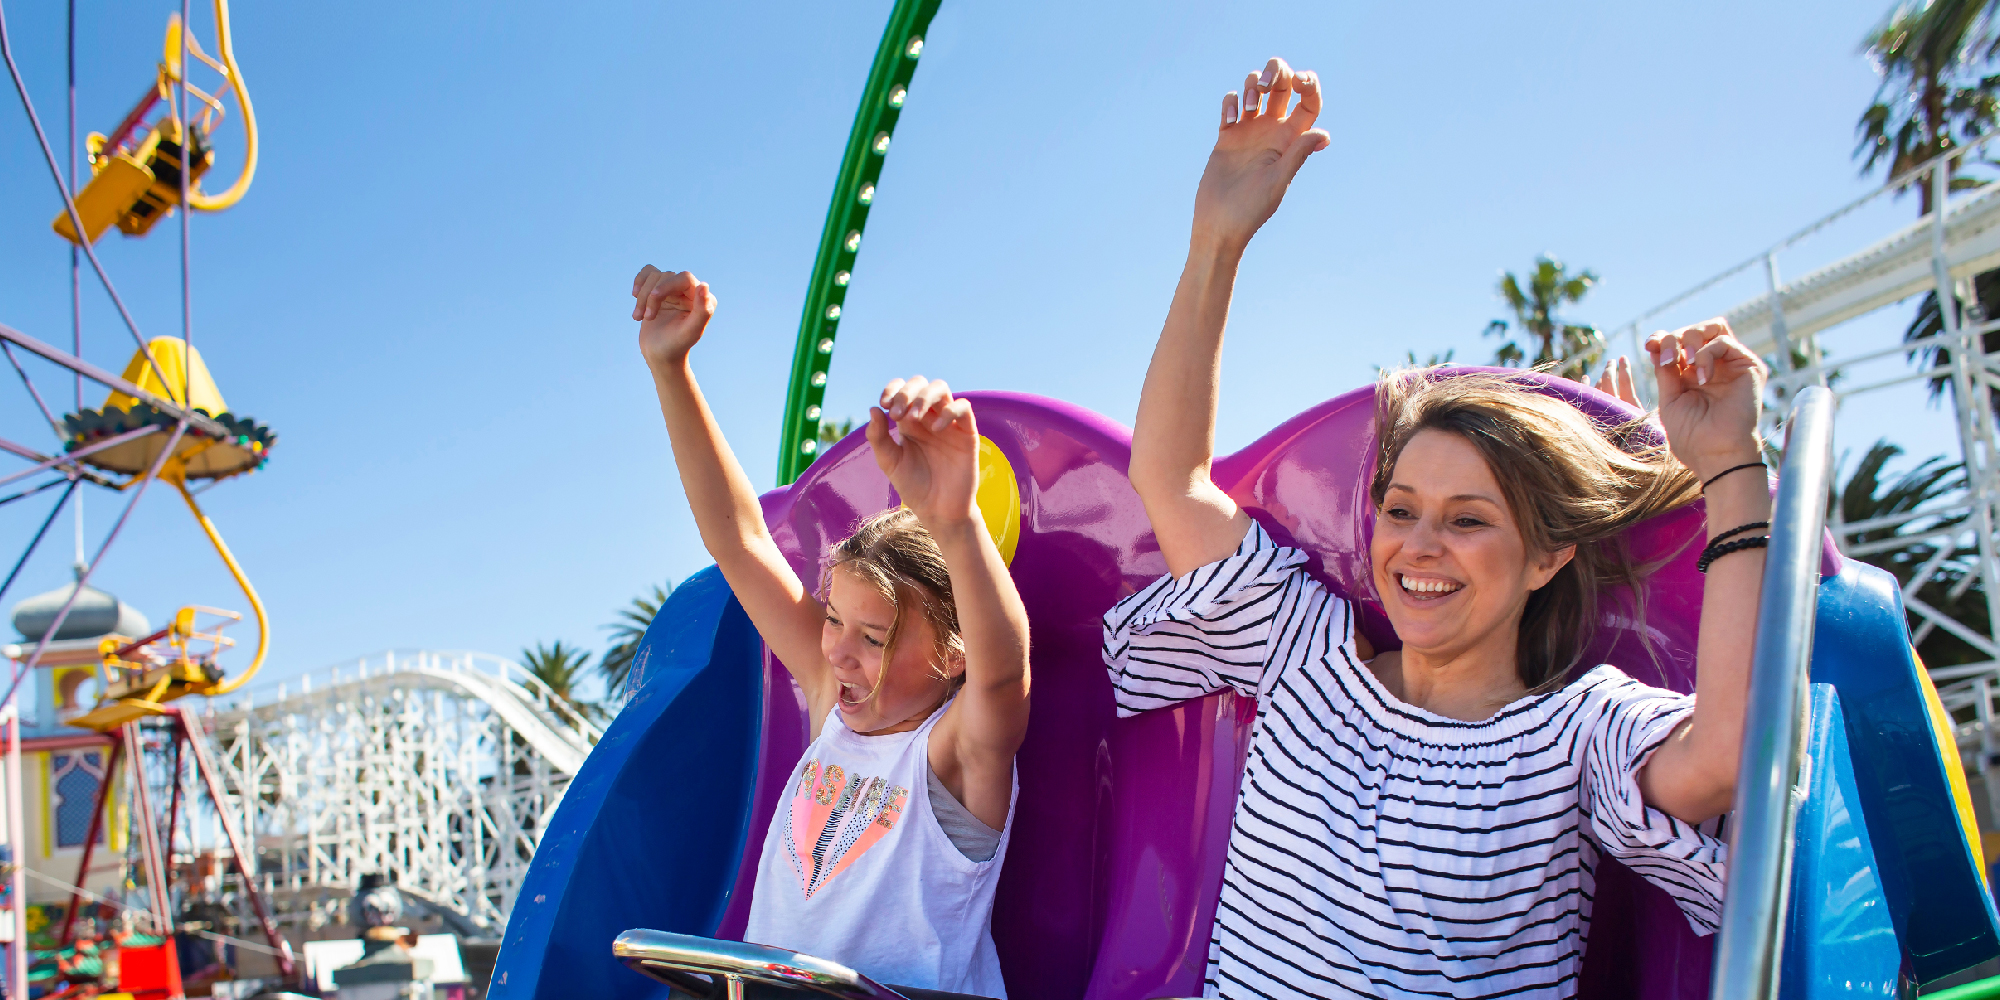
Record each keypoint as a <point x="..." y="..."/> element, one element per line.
<point x="674" y="958"/>
<point x="1752" y="934"/>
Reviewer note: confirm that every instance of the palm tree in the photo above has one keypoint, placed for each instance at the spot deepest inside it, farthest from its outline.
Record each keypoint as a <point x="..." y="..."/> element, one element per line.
<point x="830" y="433"/>
<point x="562" y="668"/>
<point x="626" y="634"/>
<point x="1935" y="95"/>
<point x="1935" y="58"/>
<point x="1954" y="587"/>
<point x="1567" y="349"/>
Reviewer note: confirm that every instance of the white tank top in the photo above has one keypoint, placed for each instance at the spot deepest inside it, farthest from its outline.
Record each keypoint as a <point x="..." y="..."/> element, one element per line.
<point x="855" y="868"/>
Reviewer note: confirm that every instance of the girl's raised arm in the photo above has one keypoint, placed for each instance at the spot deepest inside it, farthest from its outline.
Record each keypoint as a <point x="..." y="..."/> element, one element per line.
<point x="933" y="461"/>
<point x="673" y="309"/>
<point x="1257" y="152"/>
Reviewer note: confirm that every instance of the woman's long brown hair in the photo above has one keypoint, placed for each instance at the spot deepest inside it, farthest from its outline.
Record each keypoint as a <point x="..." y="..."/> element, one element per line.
<point x="1567" y="480"/>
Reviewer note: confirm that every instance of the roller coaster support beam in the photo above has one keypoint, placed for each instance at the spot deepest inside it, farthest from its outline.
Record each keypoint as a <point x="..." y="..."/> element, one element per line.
<point x="245" y="863"/>
<point x="853" y="193"/>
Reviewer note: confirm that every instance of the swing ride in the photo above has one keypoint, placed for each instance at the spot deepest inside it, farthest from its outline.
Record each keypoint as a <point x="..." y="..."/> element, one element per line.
<point x="162" y="421"/>
<point x="239" y="827"/>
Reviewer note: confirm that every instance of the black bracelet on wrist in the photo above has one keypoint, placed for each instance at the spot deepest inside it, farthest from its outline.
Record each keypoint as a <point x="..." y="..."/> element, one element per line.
<point x="1714" y="551"/>
<point x="1733" y="532"/>
<point x="1733" y="468"/>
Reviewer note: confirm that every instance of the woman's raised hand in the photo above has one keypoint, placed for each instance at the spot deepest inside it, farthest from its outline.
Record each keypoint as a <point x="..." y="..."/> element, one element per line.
<point x="933" y="458"/>
<point x="1257" y="152"/>
<point x="1616" y="382"/>
<point x="1711" y="391"/>
<point x="673" y="308"/>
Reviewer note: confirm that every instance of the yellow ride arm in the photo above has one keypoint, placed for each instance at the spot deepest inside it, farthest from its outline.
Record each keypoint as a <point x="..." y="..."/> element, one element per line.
<point x="226" y="52"/>
<point x="249" y="593"/>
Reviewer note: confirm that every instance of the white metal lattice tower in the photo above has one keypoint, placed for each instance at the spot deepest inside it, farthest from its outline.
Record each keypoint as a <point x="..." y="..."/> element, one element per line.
<point x="438" y="771"/>
<point x="1941" y="253"/>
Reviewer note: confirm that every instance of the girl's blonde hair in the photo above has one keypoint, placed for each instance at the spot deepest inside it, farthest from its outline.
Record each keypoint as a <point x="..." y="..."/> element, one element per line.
<point x="1568" y="480"/>
<point x="893" y="552"/>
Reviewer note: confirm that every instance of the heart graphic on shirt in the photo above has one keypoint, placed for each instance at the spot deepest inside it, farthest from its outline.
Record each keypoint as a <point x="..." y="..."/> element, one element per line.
<point x="835" y="818"/>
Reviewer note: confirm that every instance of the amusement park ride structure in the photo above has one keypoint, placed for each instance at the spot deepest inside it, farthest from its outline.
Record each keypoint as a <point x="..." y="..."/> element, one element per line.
<point x="164" y="420"/>
<point x="437" y="770"/>
<point x="441" y="767"/>
<point x="1789" y="323"/>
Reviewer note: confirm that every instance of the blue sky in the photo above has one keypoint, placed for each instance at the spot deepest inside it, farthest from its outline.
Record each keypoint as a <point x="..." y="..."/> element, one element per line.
<point x="425" y="293"/>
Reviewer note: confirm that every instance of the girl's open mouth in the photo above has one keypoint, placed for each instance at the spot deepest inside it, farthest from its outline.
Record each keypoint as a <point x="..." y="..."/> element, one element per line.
<point x="852" y="695"/>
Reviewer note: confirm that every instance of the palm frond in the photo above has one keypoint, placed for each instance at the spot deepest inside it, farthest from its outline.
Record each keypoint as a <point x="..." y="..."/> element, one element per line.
<point x="1547" y="341"/>
<point x="1954" y="586"/>
<point x="1929" y="322"/>
<point x="562" y="668"/>
<point x="627" y="630"/>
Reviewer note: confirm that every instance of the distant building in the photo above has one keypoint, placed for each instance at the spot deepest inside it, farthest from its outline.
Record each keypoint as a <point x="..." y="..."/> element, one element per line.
<point x="63" y="766"/>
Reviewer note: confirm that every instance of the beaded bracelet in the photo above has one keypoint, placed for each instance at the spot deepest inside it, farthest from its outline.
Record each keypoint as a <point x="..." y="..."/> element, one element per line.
<point x="1714" y="552"/>
<point x="1733" y="532"/>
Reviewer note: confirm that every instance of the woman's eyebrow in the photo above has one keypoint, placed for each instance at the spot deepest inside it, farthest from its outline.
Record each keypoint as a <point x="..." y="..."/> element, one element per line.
<point x="1450" y="499"/>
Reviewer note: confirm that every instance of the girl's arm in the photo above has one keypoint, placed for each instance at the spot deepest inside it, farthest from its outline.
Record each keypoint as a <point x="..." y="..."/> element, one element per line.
<point x="1711" y="388"/>
<point x="1256" y="155"/>
<point x="673" y="310"/>
<point x="935" y="469"/>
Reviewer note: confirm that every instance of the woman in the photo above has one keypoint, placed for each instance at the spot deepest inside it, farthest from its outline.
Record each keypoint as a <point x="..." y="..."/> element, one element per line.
<point x="1425" y="822"/>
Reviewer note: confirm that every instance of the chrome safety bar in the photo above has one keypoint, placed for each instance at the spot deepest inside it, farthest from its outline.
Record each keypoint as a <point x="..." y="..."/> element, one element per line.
<point x="1750" y="943"/>
<point x="675" y="959"/>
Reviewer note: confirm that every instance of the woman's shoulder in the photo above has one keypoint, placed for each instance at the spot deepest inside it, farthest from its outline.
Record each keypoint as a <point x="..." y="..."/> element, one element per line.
<point x="1260" y="570"/>
<point x="1608" y="690"/>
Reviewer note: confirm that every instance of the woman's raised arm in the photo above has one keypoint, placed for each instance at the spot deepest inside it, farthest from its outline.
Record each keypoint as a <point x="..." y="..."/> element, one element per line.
<point x="1257" y="152"/>
<point x="1711" y="388"/>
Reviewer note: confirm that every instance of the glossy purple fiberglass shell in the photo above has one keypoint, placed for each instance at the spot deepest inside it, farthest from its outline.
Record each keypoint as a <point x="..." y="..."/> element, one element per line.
<point x="1122" y="825"/>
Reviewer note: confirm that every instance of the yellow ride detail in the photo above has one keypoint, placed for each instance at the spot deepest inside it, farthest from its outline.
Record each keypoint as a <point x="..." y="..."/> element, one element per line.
<point x="136" y="184"/>
<point x="181" y="369"/>
<point x="1954" y="768"/>
<point x="135" y="681"/>
<point x="999" y="499"/>
<point x="143" y="684"/>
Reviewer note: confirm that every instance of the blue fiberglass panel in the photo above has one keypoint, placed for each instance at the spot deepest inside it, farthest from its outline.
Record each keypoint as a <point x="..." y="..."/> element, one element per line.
<point x="1840" y="941"/>
<point x="1937" y="901"/>
<point x="651" y="830"/>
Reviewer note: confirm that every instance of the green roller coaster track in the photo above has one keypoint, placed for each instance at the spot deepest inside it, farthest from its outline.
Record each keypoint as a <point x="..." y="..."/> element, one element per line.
<point x="840" y="242"/>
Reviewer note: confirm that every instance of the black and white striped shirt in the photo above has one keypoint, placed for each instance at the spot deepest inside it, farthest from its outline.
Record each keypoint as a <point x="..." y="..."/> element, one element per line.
<point x="1380" y="850"/>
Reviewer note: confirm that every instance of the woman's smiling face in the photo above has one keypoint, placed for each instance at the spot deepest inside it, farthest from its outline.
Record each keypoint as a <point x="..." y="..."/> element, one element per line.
<point x="904" y="688"/>
<point x="1448" y="559"/>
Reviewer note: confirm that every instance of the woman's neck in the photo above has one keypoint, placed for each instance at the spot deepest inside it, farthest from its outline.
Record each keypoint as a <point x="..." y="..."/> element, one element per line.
<point x="1469" y="685"/>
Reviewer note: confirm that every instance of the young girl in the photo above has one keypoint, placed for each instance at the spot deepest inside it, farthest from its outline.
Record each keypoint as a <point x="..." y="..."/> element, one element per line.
<point x="913" y="659"/>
